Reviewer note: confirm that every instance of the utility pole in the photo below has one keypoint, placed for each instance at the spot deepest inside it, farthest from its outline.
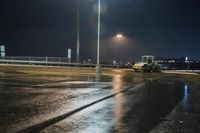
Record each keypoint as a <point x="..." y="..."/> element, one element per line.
<point x="98" y="67"/>
<point x="78" y="32"/>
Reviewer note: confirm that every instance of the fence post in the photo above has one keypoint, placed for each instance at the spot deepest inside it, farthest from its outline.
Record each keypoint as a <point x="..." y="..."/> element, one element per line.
<point x="12" y="59"/>
<point x="46" y="60"/>
<point x="29" y="60"/>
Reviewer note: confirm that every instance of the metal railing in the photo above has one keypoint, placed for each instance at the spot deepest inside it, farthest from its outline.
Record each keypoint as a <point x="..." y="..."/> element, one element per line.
<point x="30" y="59"/>
<point x="51" y="61"/>
<point x="56" y="61"/>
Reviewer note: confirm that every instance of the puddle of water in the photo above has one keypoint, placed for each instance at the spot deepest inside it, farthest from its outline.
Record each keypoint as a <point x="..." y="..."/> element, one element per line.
<point x="154" y="102"/>
<point x="134" y="111"/>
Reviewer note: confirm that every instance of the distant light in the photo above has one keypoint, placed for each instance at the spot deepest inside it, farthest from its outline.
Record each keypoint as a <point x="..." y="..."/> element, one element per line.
<point x="119" y="36"/>
<point x="186" y="58"/>
<point x="89" y="60"/>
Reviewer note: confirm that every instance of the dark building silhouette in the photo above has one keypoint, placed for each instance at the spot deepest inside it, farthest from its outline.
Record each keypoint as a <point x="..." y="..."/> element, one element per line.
<point x="179" y="63"/>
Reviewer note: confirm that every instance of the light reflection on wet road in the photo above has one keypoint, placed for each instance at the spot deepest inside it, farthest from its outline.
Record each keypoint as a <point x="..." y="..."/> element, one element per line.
<point x="24" y="104"/>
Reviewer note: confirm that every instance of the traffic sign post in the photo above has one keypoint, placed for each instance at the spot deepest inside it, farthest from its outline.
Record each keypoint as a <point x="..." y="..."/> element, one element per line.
<point x="2" y="50"/>
<point x="69" y="52"/>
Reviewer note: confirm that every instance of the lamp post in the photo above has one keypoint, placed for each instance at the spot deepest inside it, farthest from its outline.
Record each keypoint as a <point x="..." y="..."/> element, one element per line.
<point x="78" y="32"/>
<point x="119" y="38"/>
<point x="187" y="62"/>
<point x="98" y="67"/>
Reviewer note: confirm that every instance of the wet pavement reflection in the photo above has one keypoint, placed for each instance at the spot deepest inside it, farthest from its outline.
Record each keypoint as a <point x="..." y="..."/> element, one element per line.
<point x="151" y="104"/>
<point x="46" y="106"/>
<point x="185" y="99"/>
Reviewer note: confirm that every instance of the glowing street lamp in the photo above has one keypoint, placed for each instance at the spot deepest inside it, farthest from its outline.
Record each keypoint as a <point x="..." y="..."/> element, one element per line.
<point x="119" y="36"/>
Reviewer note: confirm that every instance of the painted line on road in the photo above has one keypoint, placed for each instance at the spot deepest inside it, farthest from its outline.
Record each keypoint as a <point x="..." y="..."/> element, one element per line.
<point x="40" y="126"/>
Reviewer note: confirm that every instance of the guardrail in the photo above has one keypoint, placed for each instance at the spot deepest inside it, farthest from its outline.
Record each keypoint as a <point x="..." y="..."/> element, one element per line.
<point x="43" y="59"/>
<point x="51" y="61"/>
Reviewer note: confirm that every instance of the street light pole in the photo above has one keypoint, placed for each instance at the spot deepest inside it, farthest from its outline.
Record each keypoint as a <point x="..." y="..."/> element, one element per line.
<point x="78" y="32"/>
<point x="119" y="37"/>
<point x="98" y="67"/>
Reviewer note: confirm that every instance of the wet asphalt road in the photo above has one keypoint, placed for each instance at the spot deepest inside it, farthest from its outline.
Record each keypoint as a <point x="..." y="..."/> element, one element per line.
<point x="81" y="102"/>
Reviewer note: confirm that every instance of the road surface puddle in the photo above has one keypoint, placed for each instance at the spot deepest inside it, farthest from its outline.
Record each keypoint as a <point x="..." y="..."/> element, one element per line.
<point x="136" y="110"/>
<point x="147" y="107"/>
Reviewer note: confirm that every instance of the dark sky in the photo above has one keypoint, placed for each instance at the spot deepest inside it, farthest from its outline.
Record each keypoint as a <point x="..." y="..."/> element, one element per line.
<point x="164" y="28"/>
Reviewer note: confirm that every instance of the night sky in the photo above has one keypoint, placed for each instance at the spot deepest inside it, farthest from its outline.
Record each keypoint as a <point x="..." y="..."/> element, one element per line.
<point x="164" y="28"/>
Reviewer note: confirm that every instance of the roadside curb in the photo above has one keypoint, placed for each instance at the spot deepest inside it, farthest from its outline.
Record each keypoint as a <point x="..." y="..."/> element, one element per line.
<point x="181" y="72"/>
